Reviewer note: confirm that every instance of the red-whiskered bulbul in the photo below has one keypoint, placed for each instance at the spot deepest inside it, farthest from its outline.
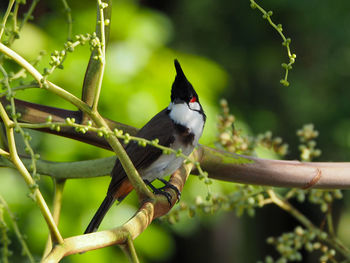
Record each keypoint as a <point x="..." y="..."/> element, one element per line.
<point x="179" y="126"/>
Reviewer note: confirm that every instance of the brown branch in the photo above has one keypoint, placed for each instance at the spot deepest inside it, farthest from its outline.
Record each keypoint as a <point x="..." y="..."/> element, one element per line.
<point x="37" y="113"/>
<point x="219" y="164"/>
<point x="232" y="167"/>
<point x="131" y="229"/>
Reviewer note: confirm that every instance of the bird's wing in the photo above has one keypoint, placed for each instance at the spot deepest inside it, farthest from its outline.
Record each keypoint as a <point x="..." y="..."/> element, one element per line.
<point x="159" y="127"/>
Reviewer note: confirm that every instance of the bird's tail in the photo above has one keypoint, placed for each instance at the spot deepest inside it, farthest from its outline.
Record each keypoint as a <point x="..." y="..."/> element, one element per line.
<point x="123" y="188"/>
<point x="100" y="214"/>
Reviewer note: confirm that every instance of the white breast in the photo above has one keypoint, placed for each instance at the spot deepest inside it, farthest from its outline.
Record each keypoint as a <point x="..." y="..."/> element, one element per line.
<point x="189" y="117"/>
<point x="167" y="164"/>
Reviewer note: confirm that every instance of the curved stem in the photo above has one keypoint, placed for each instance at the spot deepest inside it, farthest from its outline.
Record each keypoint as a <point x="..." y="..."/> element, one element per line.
<point x="20" y="237"/>
<point x="69" y="18"/>
<point x="39" y="199"/>
<point x="57" y="204"/>
<point x="42" y="81"/>
<point x="140" y="187"/>
<point x="329" y="218"/>
<point x="68" y="170"/>
<point x="4" y="20"/>
<point x="286" y="41"/>
<point x="232" y="167"/>
<point x="129" y="250"/>
<point x="102" y="53"/>
<point x="133" y="175"/>
<point x="285" y="205"/>
<point x="94" y="72"/>
<point x="131" y="229"/>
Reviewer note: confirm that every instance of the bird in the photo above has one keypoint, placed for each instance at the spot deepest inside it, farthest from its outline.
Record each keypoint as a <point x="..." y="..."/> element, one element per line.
<point x="178" y="126"/>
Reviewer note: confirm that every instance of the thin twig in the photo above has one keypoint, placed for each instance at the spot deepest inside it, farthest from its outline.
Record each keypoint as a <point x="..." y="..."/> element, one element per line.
<point x="18" y="233"/>
<point x="135" y="179"/>
<point x="41" y="80"/>
<point x="4" y="20"/>
<point x="56" y="210"/>
<point x="131" y="229"/>
<point x="285" y="205"/>
<point x="27" y="177"/>
<point x="14" y="115"/>
<point x="129" y="250"/>
<point x="329" y="218"/>
<point x="102" y="53"/>
<point x="286" y="41"/>
<point x="68" y="11"/>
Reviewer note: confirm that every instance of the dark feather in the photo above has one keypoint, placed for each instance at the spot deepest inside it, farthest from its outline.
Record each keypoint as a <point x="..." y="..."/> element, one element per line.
<point x="161" y="127"/>
<point x="185" y="134"/>
<point x="99" y="215"/>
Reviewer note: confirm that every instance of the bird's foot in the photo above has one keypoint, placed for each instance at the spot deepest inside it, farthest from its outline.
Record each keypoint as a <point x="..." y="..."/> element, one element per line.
<point x="171" y="186"/>
<point x="161" y="190"/>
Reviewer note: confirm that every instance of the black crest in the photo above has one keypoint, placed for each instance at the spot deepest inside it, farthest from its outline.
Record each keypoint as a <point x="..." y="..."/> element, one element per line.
<point x="182" y="88"/>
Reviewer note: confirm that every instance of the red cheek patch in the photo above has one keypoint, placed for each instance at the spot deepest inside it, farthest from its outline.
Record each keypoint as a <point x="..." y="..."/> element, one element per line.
<point x="193" y="99"/>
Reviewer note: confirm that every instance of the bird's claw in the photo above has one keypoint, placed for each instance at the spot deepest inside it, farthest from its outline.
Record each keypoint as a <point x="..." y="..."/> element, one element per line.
<point x="162" y="191"/>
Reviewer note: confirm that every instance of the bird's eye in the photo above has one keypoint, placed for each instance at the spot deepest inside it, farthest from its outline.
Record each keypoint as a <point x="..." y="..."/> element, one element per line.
<point x="193" y="99"/>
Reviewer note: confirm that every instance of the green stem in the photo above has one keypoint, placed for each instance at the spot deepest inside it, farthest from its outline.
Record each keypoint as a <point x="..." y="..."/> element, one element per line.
<point x="20" y="237"/>
<point x="102" y="55"/>
<point x="29" y="13"/>
<point x="93" y="79"/>
<point x="3" y="236"/>
<point x="62" y="58"/>
<point x="15" y="14"/>
<point x="285" y="205"/>
<point x="21" y="87"/>
<point x="138" y="184"/>
<point x="27" y="16"/>
<point x="329" y="219"/>
<point x="118" y="133"/>
<point x="27" y="177"/>
<point x="14" y="118"/>
<point x="282" y="203"/>
<point x="286" y="42"/>
<point x="133" y="175"/>
<point x="4" y="20"/>
<point x="57" y="204"/>
<point x="41" y="81"/>
<point x="68" y="170"/>
<point x="69" y="18"/>
<point x="129" y="250"/>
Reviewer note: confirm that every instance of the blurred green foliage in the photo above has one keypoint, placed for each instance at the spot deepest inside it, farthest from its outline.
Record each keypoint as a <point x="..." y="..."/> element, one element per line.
<point x="226" y="50"/>
<point x="137" y="84"/>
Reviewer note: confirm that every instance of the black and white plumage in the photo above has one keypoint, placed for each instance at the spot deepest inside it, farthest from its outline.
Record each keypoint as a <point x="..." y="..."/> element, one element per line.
<point x="179" y="126"/>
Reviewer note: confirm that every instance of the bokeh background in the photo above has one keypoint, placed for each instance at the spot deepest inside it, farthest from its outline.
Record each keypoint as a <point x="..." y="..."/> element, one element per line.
<point x="227" y="51"/>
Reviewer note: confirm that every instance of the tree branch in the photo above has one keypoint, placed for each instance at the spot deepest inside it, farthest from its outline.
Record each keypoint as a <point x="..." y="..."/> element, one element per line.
<point x="129" y="251"/>
<point x="39" y="199"/>
<point x="56" y="210"/>
<point x="93" y="72"/>
<point x="131" y="229"/>
<point x="37" y="113"/>
<point x="286" y="206"/>
<point x="68" y="170"/>
<point x="251" y="170"/>
<point x="133" y="176"/>
<point x="220" y="165"/>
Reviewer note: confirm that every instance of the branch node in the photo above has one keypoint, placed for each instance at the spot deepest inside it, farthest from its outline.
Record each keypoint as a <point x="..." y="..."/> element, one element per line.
<point x="314" y="180"/>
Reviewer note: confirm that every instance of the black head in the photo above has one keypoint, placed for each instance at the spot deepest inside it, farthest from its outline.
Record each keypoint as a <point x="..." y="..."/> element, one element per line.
<point x="182" y="90"/>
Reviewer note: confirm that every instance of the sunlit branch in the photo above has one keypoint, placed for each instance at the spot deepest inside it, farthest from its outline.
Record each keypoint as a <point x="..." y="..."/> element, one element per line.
<point x="28" y="179"/>
<point x="130" y="230"/>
